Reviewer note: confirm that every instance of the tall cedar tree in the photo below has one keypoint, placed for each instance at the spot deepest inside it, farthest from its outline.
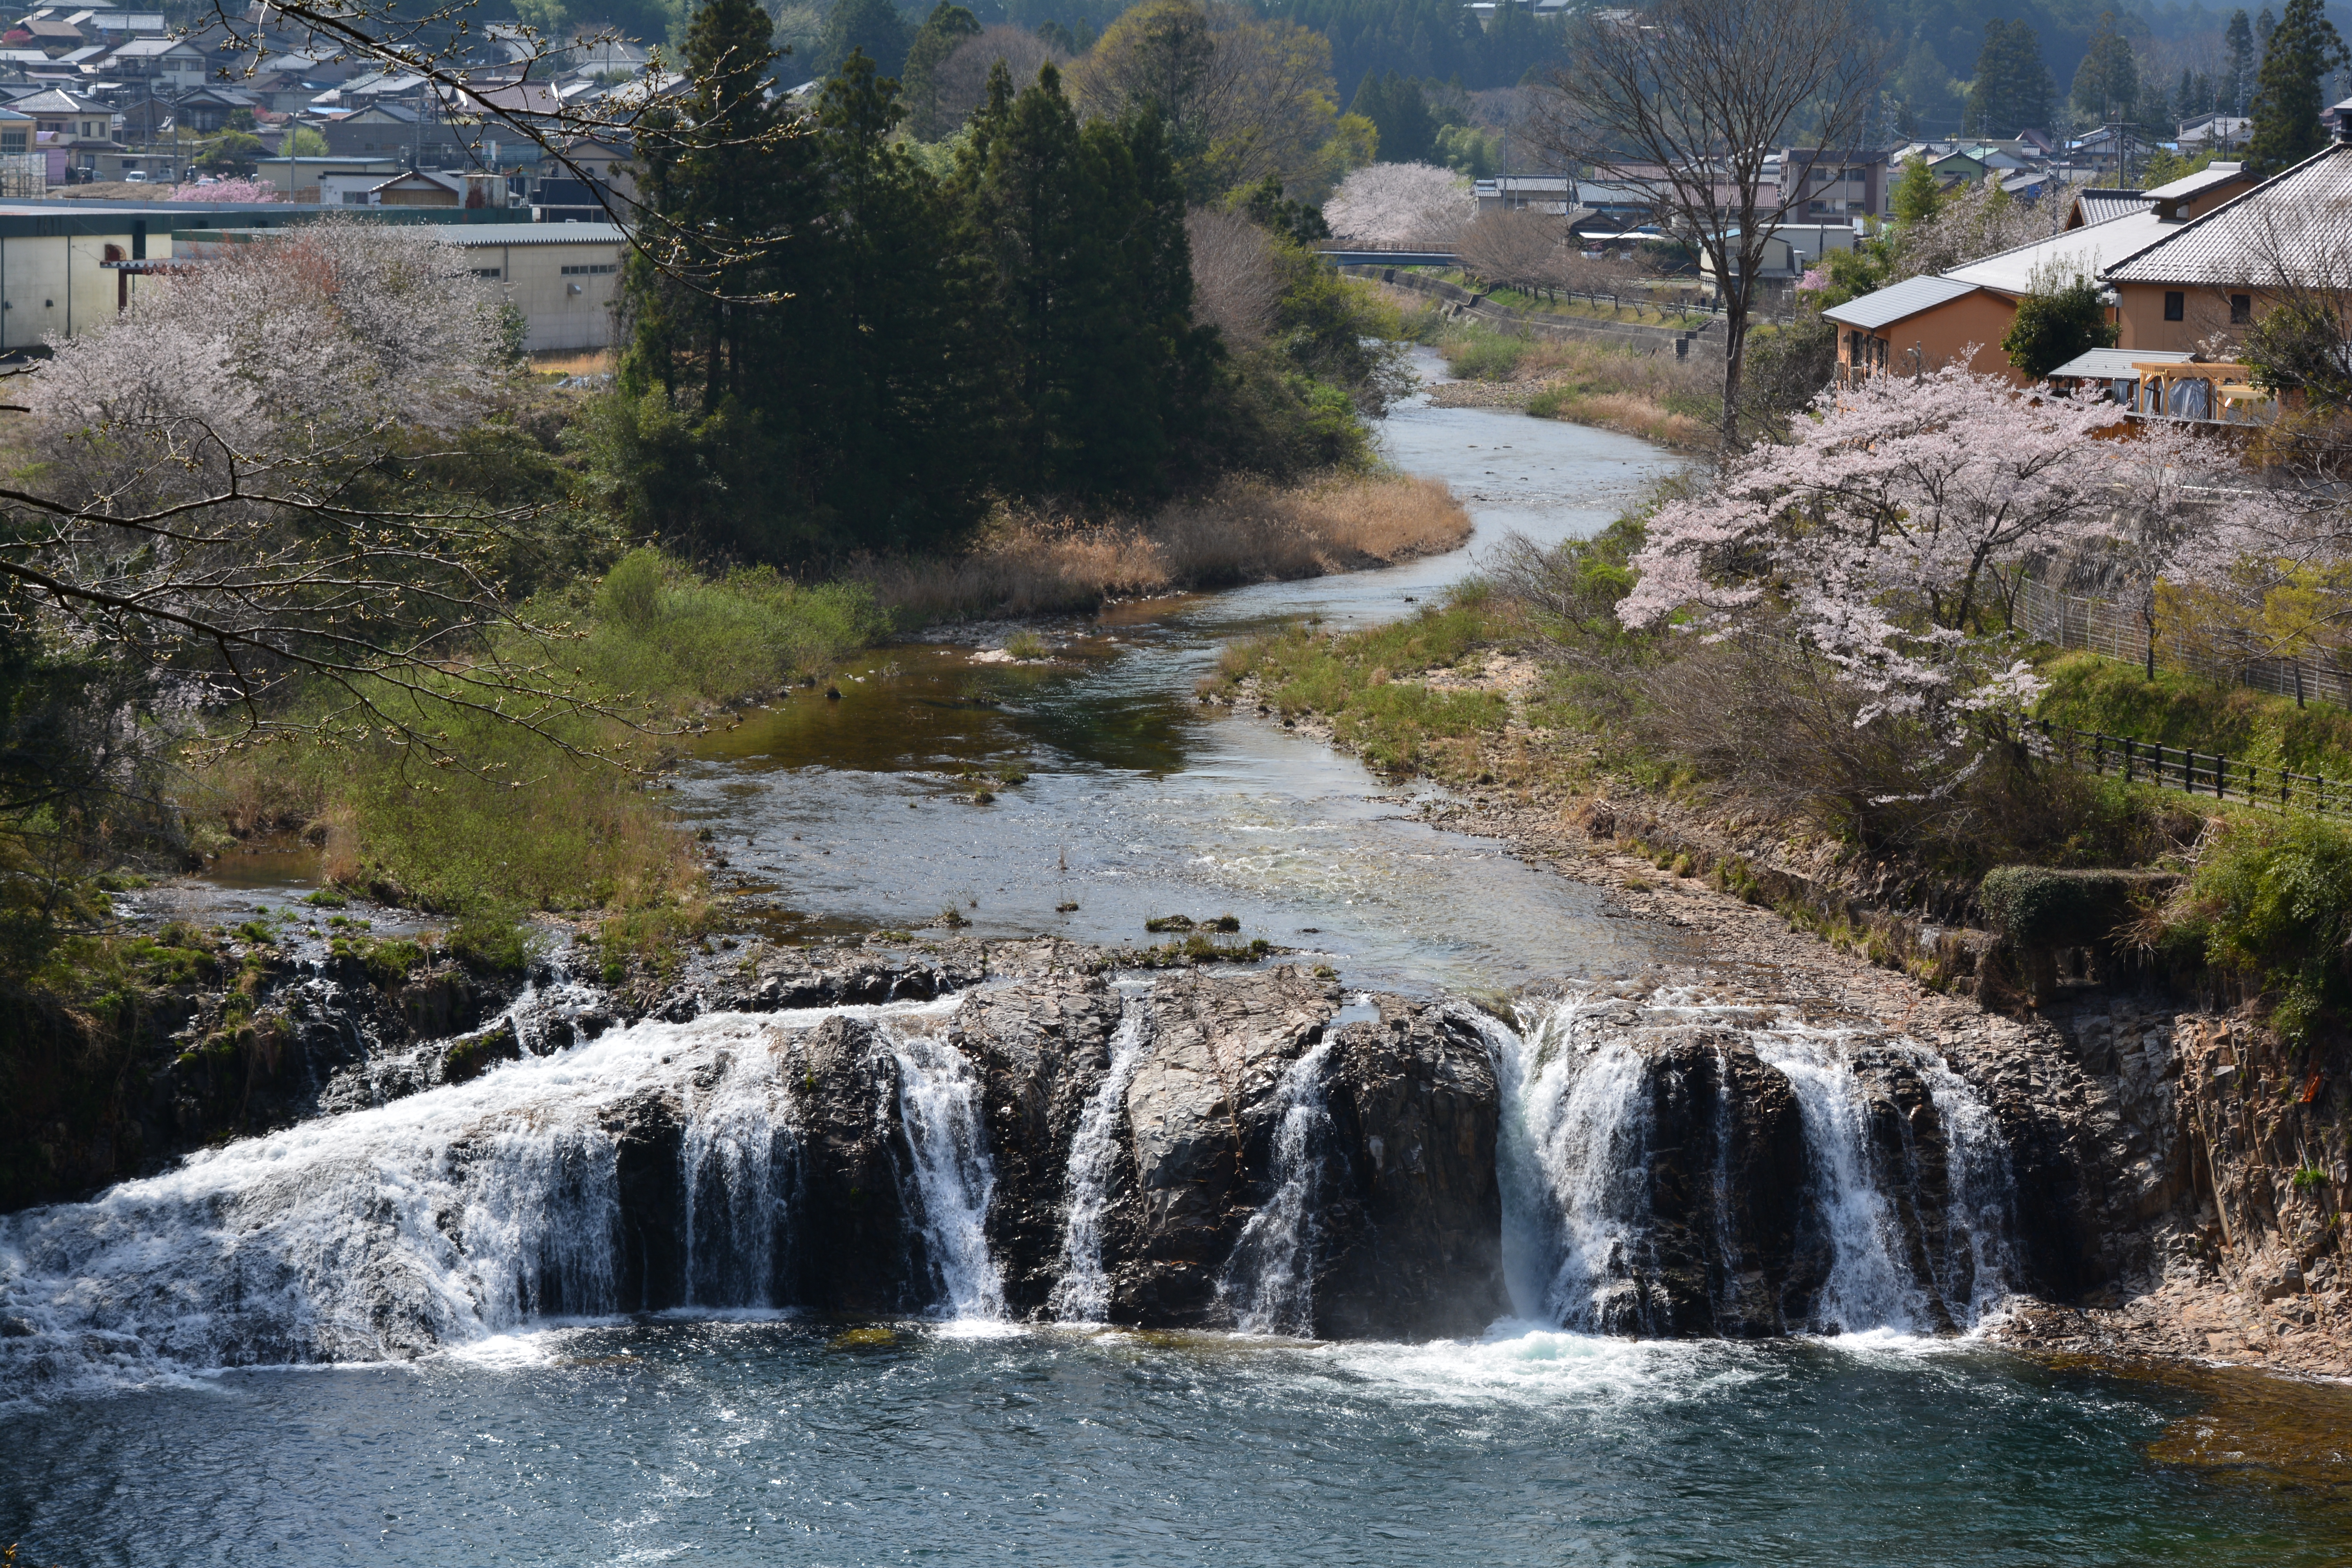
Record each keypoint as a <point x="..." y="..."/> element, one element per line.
<point x="2012" y="88"/>
<point x="1104" y="376"/>
<point x="2287" y="97"/>
<point x="1399" y="111"/>
<point x="874" y="27"/>
<point x="2106" y="84"/>
<point x="2237" y="75"/>
<point x="947" y="26"/>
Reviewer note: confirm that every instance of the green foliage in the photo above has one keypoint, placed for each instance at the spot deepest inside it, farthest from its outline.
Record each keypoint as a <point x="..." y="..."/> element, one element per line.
<point x="1868" y="267"/>
<point x="1301" y="225"/>
<point x="2037" y="908"/>
<point x="2110" y="697"/>
<point x="2054" y="325"/>
<point x="2271" y="901"/>
<point x="1433" y="40"/>
<point x="1918" y="196"/>
<point x="872" y="27"/>
<point x="946" y="26"/>
<point x="2288" y="97"/>
<point x="231" y="152"/>
<point x="489" y="942"/>
<point x="2106" y="84"/>
<point x="1355" y="680"/>
<point x="1399" y="111"/>
<point x="1478" y="352"/>
<point x="2012" y="91"/>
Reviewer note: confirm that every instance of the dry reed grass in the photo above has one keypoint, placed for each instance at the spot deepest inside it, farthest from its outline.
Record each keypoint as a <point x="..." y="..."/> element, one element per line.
<point x="1243" y="531"/>
<point x="572" y="362"/>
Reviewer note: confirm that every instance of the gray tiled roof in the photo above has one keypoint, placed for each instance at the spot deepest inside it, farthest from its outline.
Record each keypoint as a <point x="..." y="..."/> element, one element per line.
<point x="2102" y="206"/>
<point x="2299" y="221"/>
<point x="1897" y="300"/>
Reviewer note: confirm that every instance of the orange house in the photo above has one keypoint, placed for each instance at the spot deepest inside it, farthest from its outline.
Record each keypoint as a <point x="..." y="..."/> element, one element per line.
<point x="2201" y="282"/>
<point x="1922" y="323"/>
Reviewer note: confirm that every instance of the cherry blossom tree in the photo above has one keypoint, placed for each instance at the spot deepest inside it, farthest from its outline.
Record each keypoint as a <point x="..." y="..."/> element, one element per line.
<point x="1879" y="539"/>
<point x="242" y="192"/>
<point x="1398" y="207"/>
<point x="235" y="488"/>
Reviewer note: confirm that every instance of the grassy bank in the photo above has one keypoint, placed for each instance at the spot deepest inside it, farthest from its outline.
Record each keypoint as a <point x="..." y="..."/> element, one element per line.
<point x="1669" y="401"/>
<point x="1525" y="691"/>
<point x="1244" y="530"/>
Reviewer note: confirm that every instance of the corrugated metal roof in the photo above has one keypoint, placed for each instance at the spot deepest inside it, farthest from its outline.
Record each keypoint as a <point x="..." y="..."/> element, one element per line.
<point x="2078" y="250"/>
<point x="2108" y="365"/>
<point x="474" y="234"/>
<point x="2299" y="221"/>
<point x="1897" y="300"/>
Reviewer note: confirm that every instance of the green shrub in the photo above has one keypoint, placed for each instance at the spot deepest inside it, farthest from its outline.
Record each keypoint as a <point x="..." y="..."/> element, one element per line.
<point x="2088" y="692"/>
<point x="2271" y="901"/>
<point x="489" y="942"/>
<point x="2036" y="908"/>
<point x="1480" y="354"/>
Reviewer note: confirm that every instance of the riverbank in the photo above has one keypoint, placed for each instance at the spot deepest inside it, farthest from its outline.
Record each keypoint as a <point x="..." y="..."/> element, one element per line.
<point x="2202" y="1161"/>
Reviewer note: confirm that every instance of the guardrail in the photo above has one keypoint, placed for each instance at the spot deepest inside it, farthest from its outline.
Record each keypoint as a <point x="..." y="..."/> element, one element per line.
<point x="2190" y="771"/>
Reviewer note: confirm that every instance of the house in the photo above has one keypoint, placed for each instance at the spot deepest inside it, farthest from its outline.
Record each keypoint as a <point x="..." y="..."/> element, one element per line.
<point x="63" y="113"/>
<point x="1832" y="185"/>
<point x="1961" y="316"/>
<point x="51" y="38"/>
<point x="2209" y="276"/>
<point x="432" y="188"/>
<point x="169" y="63"/>
<point x="205" y="109"/>
<point x="2214" y="133"/>
<point x="1789" y="250"/>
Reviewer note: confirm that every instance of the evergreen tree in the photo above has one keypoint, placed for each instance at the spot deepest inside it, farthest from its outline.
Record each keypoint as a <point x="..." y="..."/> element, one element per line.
<point x="2106" y="84"/>
<point x="947" y="26"/>
<point x="1916" y="195"/>
<point x="2287" y="97"/>
<point x="874" y="27"/>
<point x="2237" y="75"/>
<point x="2057" y="323"/>
<point x="1103" y="374"/>
<point x="2012" y="88"/>
<point x="1400" y="111"/>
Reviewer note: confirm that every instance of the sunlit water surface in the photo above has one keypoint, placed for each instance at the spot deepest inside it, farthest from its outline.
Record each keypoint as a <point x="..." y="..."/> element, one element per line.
<point x="758" y="1441"/>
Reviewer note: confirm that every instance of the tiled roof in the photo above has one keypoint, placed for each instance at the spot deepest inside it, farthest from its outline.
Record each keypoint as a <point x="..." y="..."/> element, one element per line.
<point x="2106" y="206"/>
<point x="2299" y="221"/>
<point x="1896" y="300"/>
<point x="2076" y="251"/>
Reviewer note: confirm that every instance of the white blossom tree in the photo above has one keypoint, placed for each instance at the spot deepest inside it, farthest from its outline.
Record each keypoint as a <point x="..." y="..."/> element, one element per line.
<point x="1398" y="206"/>
<point x="235" y="489"/>
<point x="1877" y="539"/>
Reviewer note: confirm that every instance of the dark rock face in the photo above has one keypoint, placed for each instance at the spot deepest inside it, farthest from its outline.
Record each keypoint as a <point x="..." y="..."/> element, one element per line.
<point x="854" y="1245"/>
<point x="1201" y="1118"/>
<point x="1042" y="1050"/>
<point x="1414" y="1211"/>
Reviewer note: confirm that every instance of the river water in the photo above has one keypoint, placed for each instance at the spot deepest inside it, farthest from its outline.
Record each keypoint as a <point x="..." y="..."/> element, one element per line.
<point x="745" y="1436"/>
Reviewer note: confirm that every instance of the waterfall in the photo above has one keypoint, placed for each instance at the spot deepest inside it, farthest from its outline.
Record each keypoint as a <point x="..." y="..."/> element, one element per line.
<point x="1268" y="1284"/>
<point x="1895" y="1230"/>
<point x="952" y="1177"/>
<point x="1574" y="1150"/>
<point x="1082" y="1294"/>
<point x="452" y="1214"/>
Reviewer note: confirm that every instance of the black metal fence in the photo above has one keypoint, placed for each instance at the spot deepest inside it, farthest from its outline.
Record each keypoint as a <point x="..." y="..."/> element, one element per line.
<point x="2194" y="773"/>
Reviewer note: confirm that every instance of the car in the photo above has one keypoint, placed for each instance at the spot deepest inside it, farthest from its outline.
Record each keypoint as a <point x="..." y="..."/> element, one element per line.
<point x="135" y="176"/>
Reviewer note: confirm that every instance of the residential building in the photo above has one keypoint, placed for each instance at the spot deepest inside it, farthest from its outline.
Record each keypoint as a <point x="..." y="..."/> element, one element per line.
<point x="1789" y="250"/>
<point x="169" y="64"/>
<point x="1832" y="185"/>
<point x="2206" y="276"/>
<point x="1961" y="316"/>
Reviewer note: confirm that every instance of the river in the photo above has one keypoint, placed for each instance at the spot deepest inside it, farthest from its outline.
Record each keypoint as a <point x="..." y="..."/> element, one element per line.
<point x="747" y="1435"/>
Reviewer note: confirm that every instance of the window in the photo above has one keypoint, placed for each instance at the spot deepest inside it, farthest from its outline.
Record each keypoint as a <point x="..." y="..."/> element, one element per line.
<point x="486" y="272"/>
<point x="2241" y="310"/>
<point x="2176" y="305"/>
<point x="585" y="270"/>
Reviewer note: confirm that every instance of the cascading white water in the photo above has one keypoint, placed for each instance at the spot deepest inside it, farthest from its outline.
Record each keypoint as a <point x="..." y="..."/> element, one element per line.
<point x="938" y="1102"/>
<point x="1268" y="1284"/>
<point x="1575" y="1136"/>
<point x="442" y="1217"/>
<point x="1082" y="1294"/>
<point x="1575" y="1144"/>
